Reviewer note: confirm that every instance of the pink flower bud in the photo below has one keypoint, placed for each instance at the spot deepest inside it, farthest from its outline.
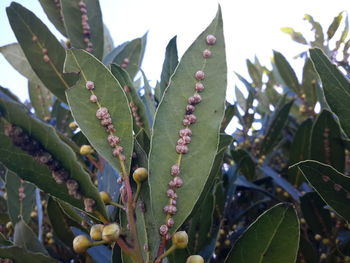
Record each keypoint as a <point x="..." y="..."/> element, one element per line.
<point x="337" y="187"/>
<point x="163" y="230"/>
<point x="170" y="193"/>
<point x="126" y="61"/>
<point x="90" y="85"/>
<point x="199" y="87"/>
<point x="199" y="75"/>
<point x="101" y="112"/>
<point x="211" y="40"/>
<point x="117" y="150"/>
<point x="181" y="149"/>
<point x="186" y="122"/>
<point x="110" y="128"/>
<point x="170" y="222"/>
<point x="46" y="58"/>
<point x="175" y="170"/>
<point x="122" y="157"/>
<point x="206" y="53"/>
<point x="34" y="38"/>
<point x="44" y="51"/>
<point x="190" y="109"/>
<point x="178" y="181"/>
<point x="106" y="121"/>
<point x="191" y="118"/>
<point x="113" y="140"/>
<point x="185" y="132"/>
<point x="187" y="139"/>
<point x="325" y="178"/>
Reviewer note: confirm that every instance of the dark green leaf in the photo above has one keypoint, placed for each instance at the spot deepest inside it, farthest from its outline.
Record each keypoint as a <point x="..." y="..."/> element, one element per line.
<point x="317" y="217"/>
<point x="54" y="14"/>
<point x="309" y="83"/>
<point x="25" y="237"/>
<point x="229" y="113"/>
<point x="108" y="44"/>
<point x="296" y="36"/>
<point x="240" y="99"/>
<point x="21" y="255"/>
<point x="20" y="198"/>
<point x="25" y="167"/>
<point x="336" y="87"/>
<point x="287" y="73"/>
<point x="334" y="25"/>
<point x="26" y="25"/>
<point x="272" y="238"/>
<point x="110" y="95"/>
<point x="4" y="241"/>
<point x="205" y="137"/>
<point x="170" y="63"/>
<point x="299" y="151"/>
<point x="148" y="99"/>
<point x="62" y="117"/>
<point x="331" y="185"/>
<point x="275" y="128"/>
<point x="255" y="74"/>
<point x="326" y="145"/>
<point x="41" y="99"/>
<point x="73" y="22"/>
<point x="244" y="163"/>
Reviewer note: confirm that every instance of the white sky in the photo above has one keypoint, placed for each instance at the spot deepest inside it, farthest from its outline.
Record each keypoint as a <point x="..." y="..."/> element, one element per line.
<point x="251" y="28"/>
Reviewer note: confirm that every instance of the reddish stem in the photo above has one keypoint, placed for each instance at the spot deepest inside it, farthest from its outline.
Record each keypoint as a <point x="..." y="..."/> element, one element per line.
<point x="161" y="248"/>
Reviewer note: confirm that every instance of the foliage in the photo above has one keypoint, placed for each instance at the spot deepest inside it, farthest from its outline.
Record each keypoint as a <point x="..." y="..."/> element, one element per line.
<point x="102" y="167"/>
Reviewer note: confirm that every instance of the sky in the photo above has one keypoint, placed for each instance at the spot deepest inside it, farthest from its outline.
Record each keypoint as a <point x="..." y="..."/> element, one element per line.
<point x="251" y="28"/>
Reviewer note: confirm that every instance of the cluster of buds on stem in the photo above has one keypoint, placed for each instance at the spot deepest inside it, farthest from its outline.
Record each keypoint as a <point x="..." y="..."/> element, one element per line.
<point x="58" y="6"/>
<point x="31" y="146"/>
<point x="327" y="145"/>
<point x="86" y="27"/>
<point x="135" y="114"/>
<point x="44" y="50"/>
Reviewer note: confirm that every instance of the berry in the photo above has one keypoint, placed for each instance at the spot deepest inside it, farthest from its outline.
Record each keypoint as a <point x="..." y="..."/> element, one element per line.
<point x="180" y="239"/>
<point x="195" y="259"/>
<point x="81" y="243"/>
<point x="73" y="126"/>
<point x="86" y="150"/>
<point x="140" y="175"/>
<point x="111" y="233"/>
<point x="96" y="232"/>
<point x="106" y="198"/>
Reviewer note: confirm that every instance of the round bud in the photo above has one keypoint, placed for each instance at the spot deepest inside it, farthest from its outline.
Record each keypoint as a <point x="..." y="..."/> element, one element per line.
<point x="180" y="239"/>
<point x="199" y="75"/>
<point x="93" y="98"/>
<point x="73" y="126"/>
<point x="46" y="58"/>
<point x="81" y="243"/>
<point x="195" y="259"/>
<point x="199" y="87"/>
<point x="106" y="198"/>
<point x="49" y="235"/>
<point x="318" y="237"/>
<point x="111" y="232"/>
<point x="90" y="85"/>
<point x="206" y="53"/>
<point x="34" y="38"/>
<point x="140" y="174"/>
<point x="86" y="149"/>
<point x="9" y="225"/>
<point x="211" y="40"/>
<point x="96" y="232"/>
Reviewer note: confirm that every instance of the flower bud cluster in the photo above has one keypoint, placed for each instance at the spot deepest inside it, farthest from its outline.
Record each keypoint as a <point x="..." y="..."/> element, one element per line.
<point x="327" y="145"/>
<point x="135" y="114"/>
<point x="44" y="50"/>
<point x="86" y="27"/>
<point x="31" y="146"/>
<point x="58" y="6"/>
<point x="182" y="143"/>
<point x="125" y="63"/>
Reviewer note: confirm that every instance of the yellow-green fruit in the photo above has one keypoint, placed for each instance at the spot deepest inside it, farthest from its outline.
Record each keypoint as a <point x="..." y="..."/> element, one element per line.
<point x="73" y="125"/>
<point x="81" y="243"/>
<point x="106" y="198"/>
<point x="9" y="225"/>
<point x="86" y="149"/>
<point x="140" y="174"/>
<point x="111" y="232"/>
<point x="195" y="259"/>
<point x="318" y="237"/>
<point x="180" y="239"/>
<point x="49" y="235"/>
<point x="326" y="241"/>
<point x="96" y="232"/>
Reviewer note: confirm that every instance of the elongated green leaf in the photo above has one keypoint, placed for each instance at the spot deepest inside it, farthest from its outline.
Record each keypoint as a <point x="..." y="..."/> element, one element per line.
<point x="309" y="83"/>
<point x="336" y="87"/>
<point x="41" y="99"/>
<point x="286" y="71"/>
<point x="244" y="163"/>
<point x="25" y="237"/>
<point x="317" y="217"/>
<point x="27" y="26"/>
<point x="62" y="116"/>
<point x="171" y="61"/>
<point x="230" y="111"/>
<point x="73" y="14"/>
<point x="59" y="222"/>
<point x="108" y="44"/>
<point x="272" y="238"/>
<point x="133" y="97"/>
<point x="326" y="145"/>
<point x="299" y="151"/>
<point x="21" y="255"/>
<point x="53" y="11"/>
<point x="317" y="28"/>
<point x="9" y="94"/>
<point x="196" y="164"/>
<point x="255" y="74"/>
<point x="296" y="36"/>
<point x="334" y="25"/>
<point x="275" y="129"/>
<point x="241" y="100"/>
<point x="331" y="185"/>
<point x="148" y="99"/>
<point x="20" y="198"/>
<point x="25" y="167"/>
<point x="110" y="95"/>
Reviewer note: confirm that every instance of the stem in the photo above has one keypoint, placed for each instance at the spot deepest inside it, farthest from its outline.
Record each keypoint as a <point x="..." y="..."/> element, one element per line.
<point x="131" y="220"/>
<point x="161" y="246"/>
<point x="166" y="253"/>
<point x="138" y="190"/>
<point x="121" y="243"/>
<point x="101" y="217"/>
<point x="116" y="205"/>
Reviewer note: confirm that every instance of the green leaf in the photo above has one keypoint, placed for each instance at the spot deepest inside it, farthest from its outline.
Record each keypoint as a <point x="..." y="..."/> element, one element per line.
<point x="240" y="99"/>
<point x="309" y="252"/>
<point x="299" y="151"/>
<point x="41" y="100"/>
<point x="148" y="99"/>
<point x="287" y="73"/>
<point x="133" y="97"/>
<point x="4" y="241"/>
<point x="336" y="87"/>
<point x="317" y="28"/>
<point x="244" y="163"/>
<point x="9" y="94"/>
<point x="25" y="237"/>
<point x="316" y="216"/>
<point x="59" y="222"/>
<point x="326" y="145"/>
<point x="334" y="25"/>
<point x="21" y="255"/>
<point x="72" y="16"/>
<point x="168" y="123"/>
<point x="110" y="95"/>
<point x="26" y="25"/>
<point x="230" y="111"/>
<point x="62" y="116"/>
<point x="170" y="63"/>
<point x="296" y="36"/>
<point x="108" y="44"/>
<point x="331" y="185"/>
<point x="272" y="238"/>
<point x="25" y="167"/>
<point x="19" y="207"/>
<point x="309" y="83"/>
<point x="275" y="128"/>
<point x="255" y="74"/>
<point x="53" y="11"/>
